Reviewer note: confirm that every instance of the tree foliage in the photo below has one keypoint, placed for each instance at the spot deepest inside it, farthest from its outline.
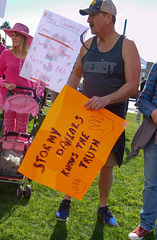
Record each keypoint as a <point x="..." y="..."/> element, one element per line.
<point x="5" y="25"/>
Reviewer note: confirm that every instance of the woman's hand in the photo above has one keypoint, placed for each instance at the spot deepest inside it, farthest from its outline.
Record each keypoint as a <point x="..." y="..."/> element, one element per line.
<point x="10" y="86"/>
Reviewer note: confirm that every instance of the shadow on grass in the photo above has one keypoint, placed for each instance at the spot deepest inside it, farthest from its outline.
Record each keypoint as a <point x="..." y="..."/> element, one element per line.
<point x="60" y="231"/>
<point x="126" y="158"/>
<point x="8" y="199"/>
<point x="150" y="236"/>
<point x="8" y="192"/>
<point x="98" y="230"/>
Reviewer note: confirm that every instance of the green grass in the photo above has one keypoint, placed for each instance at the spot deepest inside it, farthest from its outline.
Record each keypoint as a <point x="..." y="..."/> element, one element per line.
<point x="34" y="219"/>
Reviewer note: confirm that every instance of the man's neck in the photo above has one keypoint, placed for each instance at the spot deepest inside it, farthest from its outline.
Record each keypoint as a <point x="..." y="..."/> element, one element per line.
<point x="108" y="41"/>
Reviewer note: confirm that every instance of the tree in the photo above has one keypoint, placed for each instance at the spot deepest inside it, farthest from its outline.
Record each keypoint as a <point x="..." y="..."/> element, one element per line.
<point x="5" y="25"/>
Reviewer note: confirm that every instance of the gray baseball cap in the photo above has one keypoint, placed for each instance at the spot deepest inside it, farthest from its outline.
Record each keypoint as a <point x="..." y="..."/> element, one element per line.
<point x="100" y="6"/>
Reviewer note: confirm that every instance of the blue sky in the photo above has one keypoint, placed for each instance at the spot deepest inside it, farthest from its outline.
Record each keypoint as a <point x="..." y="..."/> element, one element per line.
<point x="140" y="14"/>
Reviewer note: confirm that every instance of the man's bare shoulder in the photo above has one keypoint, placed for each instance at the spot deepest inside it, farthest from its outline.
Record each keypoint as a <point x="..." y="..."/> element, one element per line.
<point x="129" y="43"/>
<point x="129" y="49"/>
<point x="87" y="43"/>
<point x="89" y="40"/>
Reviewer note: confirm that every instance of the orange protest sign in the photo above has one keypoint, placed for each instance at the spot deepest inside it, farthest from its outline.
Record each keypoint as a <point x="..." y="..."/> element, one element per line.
<point x="71" y="145"/>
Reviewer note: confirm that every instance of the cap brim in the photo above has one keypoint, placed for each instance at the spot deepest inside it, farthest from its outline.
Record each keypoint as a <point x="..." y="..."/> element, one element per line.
<point x="88" y="11"/>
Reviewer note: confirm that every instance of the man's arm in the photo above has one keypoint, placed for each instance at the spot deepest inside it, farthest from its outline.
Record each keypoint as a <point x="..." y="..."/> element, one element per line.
<point x="76" y="75"/>
<point x="132" y="67"/>
<point x="145" y="100"/>
<point x="77" y="72"/>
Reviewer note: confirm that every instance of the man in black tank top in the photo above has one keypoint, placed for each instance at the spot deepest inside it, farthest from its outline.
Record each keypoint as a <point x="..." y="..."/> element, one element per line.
<point x="110" y="65"/>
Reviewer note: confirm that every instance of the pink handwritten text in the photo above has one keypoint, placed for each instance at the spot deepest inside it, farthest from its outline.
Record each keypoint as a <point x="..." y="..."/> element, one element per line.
<point x="51" y="19"/>
<point x="69" y="26"/>
<point x="60" y="70"/>
<point x="62" y="52"/>
<point x="42" y="76"/>
<point x="42" y="28"/>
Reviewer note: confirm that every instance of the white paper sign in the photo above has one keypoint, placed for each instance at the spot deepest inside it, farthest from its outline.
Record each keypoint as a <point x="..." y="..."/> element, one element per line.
<point x="2" y="7"/>
<point x="53" y="51"/>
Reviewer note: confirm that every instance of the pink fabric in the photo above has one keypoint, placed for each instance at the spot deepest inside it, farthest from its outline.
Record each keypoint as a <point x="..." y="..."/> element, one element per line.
<point x="40" y="89"/>
<point x="17" y="143"/>
<point x="2" y="48"/>
<point x="11" y="66"/>
<point x="22" y="104"/>
<point x="22" y="121"/>
<point x="19" y="28"/>
<point x="15" y="122"/>
<point x="9" y="121"/>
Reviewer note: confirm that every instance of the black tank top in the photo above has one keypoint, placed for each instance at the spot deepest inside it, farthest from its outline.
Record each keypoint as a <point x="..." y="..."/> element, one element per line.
<point x="103" y="72"/>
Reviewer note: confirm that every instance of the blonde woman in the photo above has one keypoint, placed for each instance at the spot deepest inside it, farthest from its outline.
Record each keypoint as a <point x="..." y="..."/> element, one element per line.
<point x="11" y="61"/>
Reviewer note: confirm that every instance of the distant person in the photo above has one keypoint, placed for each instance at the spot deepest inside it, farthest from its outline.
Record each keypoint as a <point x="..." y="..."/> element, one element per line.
<point x="47" y="91"/>
<point x="111" y="67"/>
<point x="53" y="96"/>
<point x="3" y="41"/>
<point x="146" y="138"/>
<point x="43" y="99"/>
<point x="2" y="45"/>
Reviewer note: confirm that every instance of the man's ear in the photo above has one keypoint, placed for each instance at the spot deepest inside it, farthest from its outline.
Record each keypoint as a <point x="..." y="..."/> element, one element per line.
<point x="108" y="18"/>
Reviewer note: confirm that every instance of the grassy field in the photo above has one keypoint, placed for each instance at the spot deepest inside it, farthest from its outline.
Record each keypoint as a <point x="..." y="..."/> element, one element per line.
<point x="34" y="219"/>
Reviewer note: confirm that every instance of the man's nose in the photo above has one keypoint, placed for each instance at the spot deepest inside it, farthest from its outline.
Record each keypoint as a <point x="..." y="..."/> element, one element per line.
<point x="89" y="19"/>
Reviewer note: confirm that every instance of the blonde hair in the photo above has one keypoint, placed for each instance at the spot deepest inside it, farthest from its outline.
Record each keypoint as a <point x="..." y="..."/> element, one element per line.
<point x="0" y="39"/>
<point x="24" y="45"/>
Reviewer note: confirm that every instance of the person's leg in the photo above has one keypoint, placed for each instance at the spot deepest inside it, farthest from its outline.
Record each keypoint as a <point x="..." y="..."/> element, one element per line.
<point x="53" y="95"/>
<point x="106" y="178"/>
<point x="149" y="211"/>
<point x="67" y="197"/>
<point x="41" y="105"/>
<point x="9" y="121"/>
<point x="46" y="93"/>
<point x="62" y="213"/>
<point x="105" y="184"/>
<point x="22" y="120"/>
